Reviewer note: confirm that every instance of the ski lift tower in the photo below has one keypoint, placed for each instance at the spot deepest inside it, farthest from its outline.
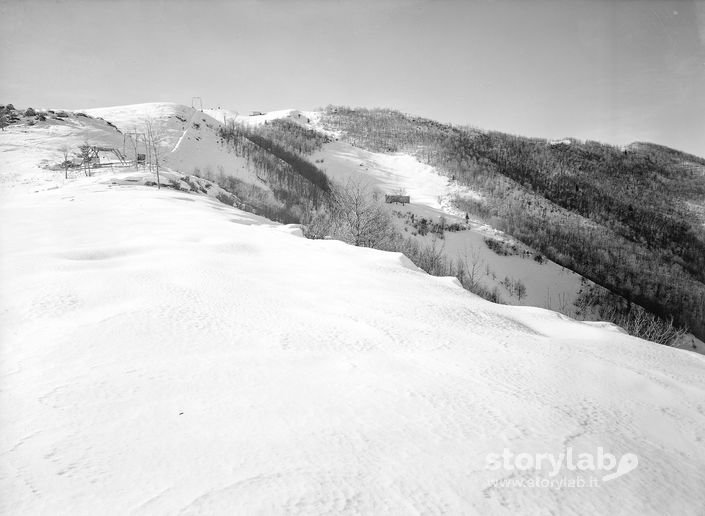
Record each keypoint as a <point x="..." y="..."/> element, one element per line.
<point x="197" y="100"/>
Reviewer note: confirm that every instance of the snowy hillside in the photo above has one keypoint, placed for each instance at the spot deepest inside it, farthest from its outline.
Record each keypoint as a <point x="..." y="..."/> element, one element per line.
<point x="28" y="151"/>
<point x="163" y="353"/>
<point x="548" y="285"/>
<point x="190" y="143"/>
<point x="188" y="138"/>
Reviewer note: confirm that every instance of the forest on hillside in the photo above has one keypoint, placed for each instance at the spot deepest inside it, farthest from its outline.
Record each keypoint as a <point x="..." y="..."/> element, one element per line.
<point x="624" y="218"/>
<point x="276" y="152"/>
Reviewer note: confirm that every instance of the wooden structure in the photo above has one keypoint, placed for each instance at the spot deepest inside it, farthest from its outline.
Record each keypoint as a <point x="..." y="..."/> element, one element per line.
<point x="97" y="156"/>
<point x="401" y="199"/>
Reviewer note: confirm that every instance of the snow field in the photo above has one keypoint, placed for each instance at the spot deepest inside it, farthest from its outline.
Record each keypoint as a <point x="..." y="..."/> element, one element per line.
<point x="164" y="353"/>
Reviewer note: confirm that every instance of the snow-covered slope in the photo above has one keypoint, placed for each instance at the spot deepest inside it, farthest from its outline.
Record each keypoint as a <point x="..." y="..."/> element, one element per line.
<point x="27" y="151"/>
<point x="225" y="115"/>
<point x="188" y="138"/>
<point x="547" y="284"/>
<point x="170" y="120"/>
<point x="162" y="353"/>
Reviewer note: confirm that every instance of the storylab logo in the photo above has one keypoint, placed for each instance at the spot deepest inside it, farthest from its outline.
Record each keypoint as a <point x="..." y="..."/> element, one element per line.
<point x="579" y="469"/>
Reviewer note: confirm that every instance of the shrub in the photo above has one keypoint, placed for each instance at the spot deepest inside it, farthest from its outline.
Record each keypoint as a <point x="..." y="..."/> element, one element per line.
<point x="318" y="226"/>
<point x="29" y="112"/>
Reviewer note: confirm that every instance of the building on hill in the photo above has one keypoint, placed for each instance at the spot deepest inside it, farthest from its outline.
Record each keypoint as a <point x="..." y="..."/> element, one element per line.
<point x="401" y="199"/>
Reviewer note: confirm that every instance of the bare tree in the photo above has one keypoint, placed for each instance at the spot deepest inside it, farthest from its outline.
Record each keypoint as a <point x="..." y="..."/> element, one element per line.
<point x="359" y="216"/>
<point x="154" y="138"/>
<point x="133" y="143"/>
<point x="65" y="150"/>
<point x="432" y="258"/>
<point x="86" y="157"/>
<point x="470" y="264"/>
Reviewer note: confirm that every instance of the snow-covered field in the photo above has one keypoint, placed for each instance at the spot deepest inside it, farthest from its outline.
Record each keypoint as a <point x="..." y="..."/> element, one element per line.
<point x="163" y="353"/>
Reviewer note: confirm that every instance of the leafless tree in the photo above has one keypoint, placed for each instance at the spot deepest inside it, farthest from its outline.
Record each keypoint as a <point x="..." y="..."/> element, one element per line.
<point x="65" y="150"/>
<point x="154" y="138"/>
<point x="359" y="216"/>
<point x="432" y="258"/>
<point x="86" y="157"/>
<point x="469" y="264"/>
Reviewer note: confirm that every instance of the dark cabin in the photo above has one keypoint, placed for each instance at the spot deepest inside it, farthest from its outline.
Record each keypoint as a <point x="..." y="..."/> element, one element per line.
<point x="401" y="199"/>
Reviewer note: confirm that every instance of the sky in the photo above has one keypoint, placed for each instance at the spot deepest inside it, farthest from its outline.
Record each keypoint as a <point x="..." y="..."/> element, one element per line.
<point x="610" y="70"/>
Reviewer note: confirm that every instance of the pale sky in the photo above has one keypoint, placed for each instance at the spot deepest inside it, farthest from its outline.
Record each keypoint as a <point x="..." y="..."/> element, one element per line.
<point x="614" y="71"/>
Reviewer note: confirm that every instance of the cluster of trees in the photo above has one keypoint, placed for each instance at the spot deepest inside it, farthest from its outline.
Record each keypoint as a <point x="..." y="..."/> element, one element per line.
<point x="10" y="115"/>
<point x="633" y="318"/>
<point x="515" y="286"/>
<point x="618" y="217"/>
<point x="292" y="136"/>
<point x="84" y="152"/>
<point x="298" y="185"/>
<point x="251" y="197"/>
<point x="5" y="113"/>
<point x="637" y="195"/>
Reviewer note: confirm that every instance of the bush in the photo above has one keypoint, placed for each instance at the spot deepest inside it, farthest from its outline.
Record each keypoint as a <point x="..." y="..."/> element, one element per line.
<point x="318" y="226"/>
<point x="597" y="303"/>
